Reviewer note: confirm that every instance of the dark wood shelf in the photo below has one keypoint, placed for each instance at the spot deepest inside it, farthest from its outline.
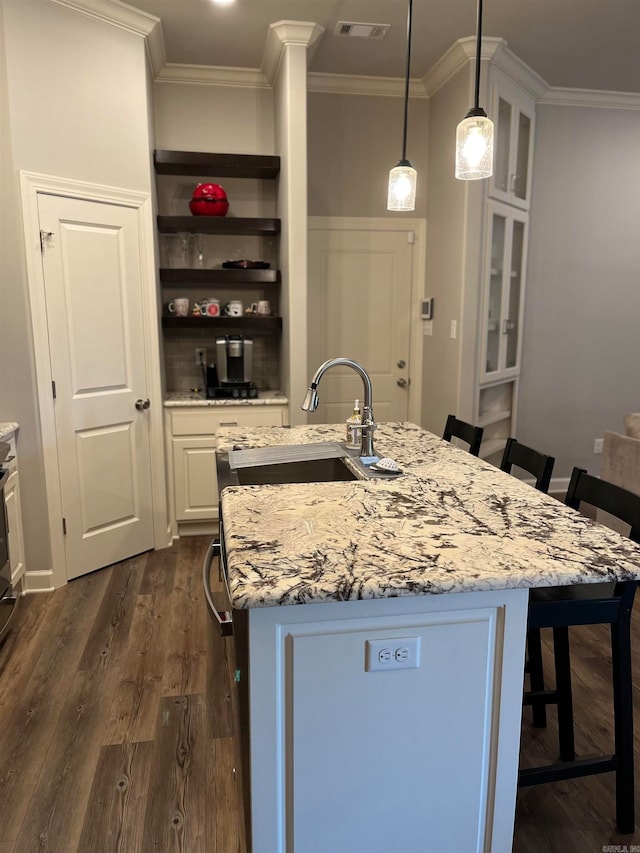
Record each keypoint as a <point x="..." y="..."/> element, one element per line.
<point x="227" y="324"/>
<point x="202" y="164"/>
<point x="187" y="277"/>
<point x="249" y="226"/>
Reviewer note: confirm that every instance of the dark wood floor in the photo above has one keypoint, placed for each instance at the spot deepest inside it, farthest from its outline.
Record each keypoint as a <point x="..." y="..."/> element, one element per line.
<point x="116" y="717"/>
<point x="117" y="727"/>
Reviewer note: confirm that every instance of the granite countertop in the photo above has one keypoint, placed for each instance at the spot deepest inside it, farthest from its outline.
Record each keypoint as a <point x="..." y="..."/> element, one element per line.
<point x="7" y="429"/>
<point x="197" y="398"/>
<point x="450" y="523"/>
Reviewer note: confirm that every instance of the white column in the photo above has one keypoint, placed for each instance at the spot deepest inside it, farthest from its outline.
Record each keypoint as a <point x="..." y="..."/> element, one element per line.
<point x="285" y="63"/>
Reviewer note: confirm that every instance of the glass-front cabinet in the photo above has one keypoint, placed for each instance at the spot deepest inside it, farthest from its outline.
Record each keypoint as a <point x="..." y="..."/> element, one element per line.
<point x="513" y="114"/>
<point x="503" y="305"/>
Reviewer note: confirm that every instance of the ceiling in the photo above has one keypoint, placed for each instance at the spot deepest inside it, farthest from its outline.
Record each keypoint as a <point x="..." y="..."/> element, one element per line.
<point x="584" y="44"/>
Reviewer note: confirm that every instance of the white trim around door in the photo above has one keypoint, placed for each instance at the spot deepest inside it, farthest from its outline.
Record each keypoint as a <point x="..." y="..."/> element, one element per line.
<point x="30" y="185"/>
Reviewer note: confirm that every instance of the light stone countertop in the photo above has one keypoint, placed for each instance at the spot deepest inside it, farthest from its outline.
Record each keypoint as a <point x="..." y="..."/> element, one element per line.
<point x="450" y="523"/>
<point x="7" y="429"/>
<point x="197" y="398"/>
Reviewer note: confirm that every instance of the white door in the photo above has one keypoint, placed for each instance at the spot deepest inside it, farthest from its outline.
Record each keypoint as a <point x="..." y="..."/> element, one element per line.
<point x="92" y="280"/>
<point x="359" y="307"/>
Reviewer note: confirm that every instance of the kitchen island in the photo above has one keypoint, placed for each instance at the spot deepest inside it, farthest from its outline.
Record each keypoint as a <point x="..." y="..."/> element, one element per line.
<point x="385" y="711"/>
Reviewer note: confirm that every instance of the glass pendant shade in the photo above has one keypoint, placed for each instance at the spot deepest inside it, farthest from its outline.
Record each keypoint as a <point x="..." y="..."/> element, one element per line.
<point x="474" y="148"/>
<point x="402" y="187"/>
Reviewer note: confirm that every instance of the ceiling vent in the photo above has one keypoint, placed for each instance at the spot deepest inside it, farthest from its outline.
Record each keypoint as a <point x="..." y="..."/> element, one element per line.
<point x="364" y="31"/>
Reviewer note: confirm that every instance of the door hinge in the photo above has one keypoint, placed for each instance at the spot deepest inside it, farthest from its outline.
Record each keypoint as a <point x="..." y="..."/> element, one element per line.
<point x="411" y="237"/>
<point x="64" y="526"/>
<point x="53" y="389"/>
<point x="44" y="236"/>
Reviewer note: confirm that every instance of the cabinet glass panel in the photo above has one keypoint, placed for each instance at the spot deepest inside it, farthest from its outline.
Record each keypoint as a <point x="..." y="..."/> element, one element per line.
<point x="494" y="317"/>
<point x="503" y="135"/>
<point x="515" y="289"/>
<point x="522" y="156"/>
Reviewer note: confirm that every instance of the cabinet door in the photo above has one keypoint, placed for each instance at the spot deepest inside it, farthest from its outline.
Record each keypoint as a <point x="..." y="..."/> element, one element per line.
<point x="503" y="292"/>
<point x="195" y="479"/>
<point x="513" y="114"/>
<point x="14" y="517"/>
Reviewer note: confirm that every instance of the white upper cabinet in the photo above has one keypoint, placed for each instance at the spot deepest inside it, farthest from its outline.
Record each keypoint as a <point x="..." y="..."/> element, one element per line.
<point x="513" y="115"/>
<point x="505" y="264"/>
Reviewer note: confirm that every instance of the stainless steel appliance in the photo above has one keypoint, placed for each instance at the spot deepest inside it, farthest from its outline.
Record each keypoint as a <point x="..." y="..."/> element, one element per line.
<point x="8" y="598"/>
<point x="234" y="360"/>
<point x="233" y="370"/>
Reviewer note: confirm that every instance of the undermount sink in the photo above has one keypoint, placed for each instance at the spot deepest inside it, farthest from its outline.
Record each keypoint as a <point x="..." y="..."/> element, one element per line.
<point x="307" y="471"/>
<point x="317" y="462"/>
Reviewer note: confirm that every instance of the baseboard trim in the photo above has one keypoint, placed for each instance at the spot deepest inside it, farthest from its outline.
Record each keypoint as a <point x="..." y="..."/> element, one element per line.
<point x="37" y="582"/>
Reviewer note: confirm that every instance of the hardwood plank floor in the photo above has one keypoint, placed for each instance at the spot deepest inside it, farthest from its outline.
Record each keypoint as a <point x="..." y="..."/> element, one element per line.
<point x="118" y="723"/>
<point x="116" y="715"/>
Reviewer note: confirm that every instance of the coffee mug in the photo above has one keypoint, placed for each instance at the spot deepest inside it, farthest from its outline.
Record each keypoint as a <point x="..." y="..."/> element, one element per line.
<point x="233" y="308"/>
<point x="262" y="308"/>
<point x="210" y="307"/>
<point x="179" y="307"/>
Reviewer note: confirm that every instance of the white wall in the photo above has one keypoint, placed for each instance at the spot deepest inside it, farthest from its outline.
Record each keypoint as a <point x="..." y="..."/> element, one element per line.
<point x="74" y="105"/>
<point x="226" y="119"/>
<point x="353" y="142"/>
<point x="452" y="252"/>
<point x="581" y="346"/>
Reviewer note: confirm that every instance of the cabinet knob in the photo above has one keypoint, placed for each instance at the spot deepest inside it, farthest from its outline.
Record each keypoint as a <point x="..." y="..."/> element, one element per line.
<point x="141" y="405"/>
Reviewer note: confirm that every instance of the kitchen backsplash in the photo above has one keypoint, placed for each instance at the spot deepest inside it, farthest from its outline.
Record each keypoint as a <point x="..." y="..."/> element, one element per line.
<point x="181" y="373"/>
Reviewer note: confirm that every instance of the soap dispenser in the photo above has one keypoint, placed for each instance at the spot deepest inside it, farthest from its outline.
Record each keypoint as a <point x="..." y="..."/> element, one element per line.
<point x="353" y="435"/>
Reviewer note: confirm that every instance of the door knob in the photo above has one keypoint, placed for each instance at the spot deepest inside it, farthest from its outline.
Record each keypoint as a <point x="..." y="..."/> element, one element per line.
<point x="402" y="383"/>
<point x="402" y="363"/>
<point x="141" y="405"/>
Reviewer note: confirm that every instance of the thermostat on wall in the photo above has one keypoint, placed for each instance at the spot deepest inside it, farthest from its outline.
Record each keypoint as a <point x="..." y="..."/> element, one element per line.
<point x="427" y="309"/>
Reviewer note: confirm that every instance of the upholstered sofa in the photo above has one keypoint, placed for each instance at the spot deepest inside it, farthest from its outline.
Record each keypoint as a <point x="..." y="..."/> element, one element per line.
<point x="621" y="461"/>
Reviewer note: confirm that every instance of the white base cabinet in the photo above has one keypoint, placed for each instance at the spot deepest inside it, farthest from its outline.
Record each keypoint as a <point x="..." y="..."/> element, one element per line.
<point x="191" y="452"/>
<point x="353" y="760"/>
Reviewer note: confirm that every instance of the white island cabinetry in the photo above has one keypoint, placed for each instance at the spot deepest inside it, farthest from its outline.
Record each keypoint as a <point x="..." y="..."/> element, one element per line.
<point x="391" y="746"/>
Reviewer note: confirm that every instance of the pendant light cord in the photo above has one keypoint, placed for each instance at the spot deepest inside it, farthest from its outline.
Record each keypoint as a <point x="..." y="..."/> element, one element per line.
<point x="478" y="50"/>
<point x="406" y="87"/>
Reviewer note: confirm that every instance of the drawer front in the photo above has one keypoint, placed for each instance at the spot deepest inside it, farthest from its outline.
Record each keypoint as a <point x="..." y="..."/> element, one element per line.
<point x="207" y="422"/>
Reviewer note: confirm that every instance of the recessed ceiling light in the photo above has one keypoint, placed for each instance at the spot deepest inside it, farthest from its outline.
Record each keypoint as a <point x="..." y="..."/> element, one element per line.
<point x="224" y="2"/>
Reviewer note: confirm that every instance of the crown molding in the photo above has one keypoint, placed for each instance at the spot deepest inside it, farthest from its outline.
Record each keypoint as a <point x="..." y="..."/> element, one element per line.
<point x="126" y="18"/>
<point x="520" y="73"/>
<point x="345" y="84"/>
<point x="494" y="50"/>
<point x="591" y="98"/>
<point x="213" y="75"/>
<point x="457" y="57"/>
<point x="285" y="33"/>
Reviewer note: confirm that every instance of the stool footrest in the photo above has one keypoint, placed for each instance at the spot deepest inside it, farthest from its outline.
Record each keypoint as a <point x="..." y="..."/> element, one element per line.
<point x="568" y="770"/>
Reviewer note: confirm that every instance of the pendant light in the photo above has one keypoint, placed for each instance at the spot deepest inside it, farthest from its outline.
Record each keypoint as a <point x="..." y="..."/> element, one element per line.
<point x="403" y="177"/>
<point x="474" y="134"/>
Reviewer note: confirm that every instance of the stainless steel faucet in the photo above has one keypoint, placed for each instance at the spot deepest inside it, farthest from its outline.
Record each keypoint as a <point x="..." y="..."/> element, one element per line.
<point x="310" y="404"/>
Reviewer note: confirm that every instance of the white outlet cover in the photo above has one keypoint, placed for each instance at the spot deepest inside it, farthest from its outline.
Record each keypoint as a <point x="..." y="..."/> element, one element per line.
<point x="391" y="653"/>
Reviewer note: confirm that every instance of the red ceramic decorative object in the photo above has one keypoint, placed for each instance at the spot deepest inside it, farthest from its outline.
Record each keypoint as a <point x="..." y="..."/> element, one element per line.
<point x="209" y="200"/>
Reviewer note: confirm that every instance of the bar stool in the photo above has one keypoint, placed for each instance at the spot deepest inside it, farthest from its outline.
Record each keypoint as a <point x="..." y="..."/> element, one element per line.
<point x="540" y="466"/>
<point x="590" y="604"/>
<point x="472" y="435"/>
<point x="537" y="464"/>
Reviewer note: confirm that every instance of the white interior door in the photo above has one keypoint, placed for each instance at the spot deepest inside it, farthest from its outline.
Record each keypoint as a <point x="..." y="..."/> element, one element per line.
<point x="92" y="280"/>
<point x="359" y="304"/>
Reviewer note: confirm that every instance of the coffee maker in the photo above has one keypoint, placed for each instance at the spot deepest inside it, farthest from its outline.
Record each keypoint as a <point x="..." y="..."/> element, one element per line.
<point x="232" y="373"/>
